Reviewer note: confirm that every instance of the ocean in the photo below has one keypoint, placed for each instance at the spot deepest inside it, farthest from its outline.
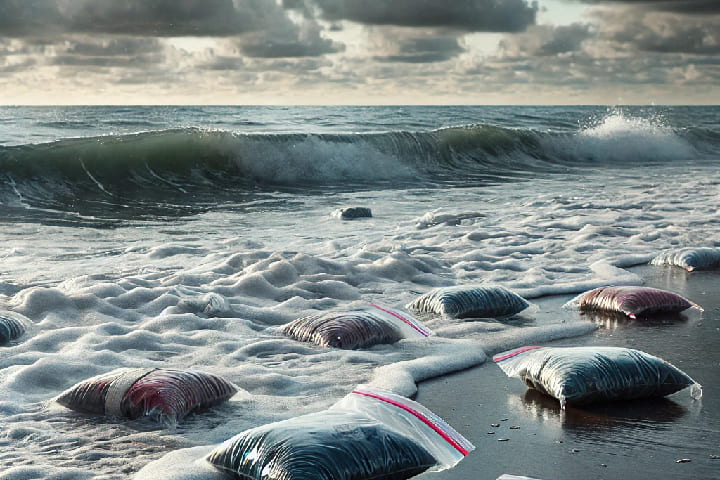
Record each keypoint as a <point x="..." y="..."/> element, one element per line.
<point x="183" y="237"/>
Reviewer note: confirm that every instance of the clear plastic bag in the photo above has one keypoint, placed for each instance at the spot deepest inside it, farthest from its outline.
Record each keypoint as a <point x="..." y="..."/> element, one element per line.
<point x="369" y="434"/>
<point x="356" y="328"/>
<point x="507" y="476"/>
<point x="165" y="394"/>
<point x="690" y="259"/>
<point x="632" y="301"/>
<point x="11" y="327"/>
<point x="582" y="375"/>
<point x="481" y="301"/>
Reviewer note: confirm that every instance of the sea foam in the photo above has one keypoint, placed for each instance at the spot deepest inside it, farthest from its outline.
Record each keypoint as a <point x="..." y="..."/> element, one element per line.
<point x="208" y="289"/>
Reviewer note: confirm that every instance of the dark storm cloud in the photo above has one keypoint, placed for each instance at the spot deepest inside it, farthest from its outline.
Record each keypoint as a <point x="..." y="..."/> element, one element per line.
<point x="659" y="32"/>
<point x="466" y="15"/>
<point x="678" y="6"/>
<point x="546" y="41"/>
<point x="135" y="17"/>
<point x="287" y="39"/>
<point x="125" y="52"/>
<point x="424" y="50"/>
<point x="279" y="48"/>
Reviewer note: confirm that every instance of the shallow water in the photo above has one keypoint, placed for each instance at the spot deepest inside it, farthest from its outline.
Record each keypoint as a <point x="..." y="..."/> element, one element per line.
<point x="640" y="439"/>
<point x="182" y="238"/>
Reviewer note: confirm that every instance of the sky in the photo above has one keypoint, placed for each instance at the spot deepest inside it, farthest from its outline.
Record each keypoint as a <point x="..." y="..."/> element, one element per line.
<point x="359" y="52"/>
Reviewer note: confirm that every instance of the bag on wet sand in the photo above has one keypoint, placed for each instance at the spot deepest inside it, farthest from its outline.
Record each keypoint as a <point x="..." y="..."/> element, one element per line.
<point x="355" y="329"/>
<point x="166" y="394"/>
<point x="11" y="327"/>
<point x="506" y="476"/>
<point x="481" y="301"/>
<point x="690" y="259"/>
<point x="632" y="301"/>
<point x="369" y="434"/>
<point x="582" y="375"/>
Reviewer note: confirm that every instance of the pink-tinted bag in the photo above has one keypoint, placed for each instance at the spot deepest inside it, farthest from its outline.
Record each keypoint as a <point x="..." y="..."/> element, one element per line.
<point x="166" y="394"/>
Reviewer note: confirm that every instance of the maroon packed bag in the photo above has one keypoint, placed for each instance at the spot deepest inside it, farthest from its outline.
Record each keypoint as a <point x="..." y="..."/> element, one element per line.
<point x="632" y="301"/>
<point x="166" y="394"/>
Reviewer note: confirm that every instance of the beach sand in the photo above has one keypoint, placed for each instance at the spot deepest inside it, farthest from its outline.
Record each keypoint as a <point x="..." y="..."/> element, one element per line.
<point x="634" y="440"/>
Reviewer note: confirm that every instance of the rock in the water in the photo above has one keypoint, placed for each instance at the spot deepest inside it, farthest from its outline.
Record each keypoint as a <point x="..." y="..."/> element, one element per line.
<point x="351" y="213"/>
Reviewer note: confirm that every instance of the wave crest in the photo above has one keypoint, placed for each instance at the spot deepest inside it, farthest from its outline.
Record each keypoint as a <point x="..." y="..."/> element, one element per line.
<point x="192" y="166"/>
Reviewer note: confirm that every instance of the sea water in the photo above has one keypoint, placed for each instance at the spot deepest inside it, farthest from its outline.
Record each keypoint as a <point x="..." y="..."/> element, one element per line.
<point x="183" y="237"/>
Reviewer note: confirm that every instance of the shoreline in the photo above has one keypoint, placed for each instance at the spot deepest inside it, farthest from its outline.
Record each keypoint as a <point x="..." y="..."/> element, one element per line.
<point x="639" y="440"/>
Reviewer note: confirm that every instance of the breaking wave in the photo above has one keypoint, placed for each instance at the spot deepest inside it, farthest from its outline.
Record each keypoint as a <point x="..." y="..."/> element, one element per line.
<point x="191" y="167"/>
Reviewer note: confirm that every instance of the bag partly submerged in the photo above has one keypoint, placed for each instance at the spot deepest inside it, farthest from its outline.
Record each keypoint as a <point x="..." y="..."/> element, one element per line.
<point x="165" y="394"/>
<point x="369" y="434"/>
<point x="475" y="301"/>
<point x="507" y="476"/>
<point x="581" y="375"/>
<point x="11" y="327"/>
<point x="356" y="329"/>
<point x="632" y="301"/>
<point x="691" y="259"/>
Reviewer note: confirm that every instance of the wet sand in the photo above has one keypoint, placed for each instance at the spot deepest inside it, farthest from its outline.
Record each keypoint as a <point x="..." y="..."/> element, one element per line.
<point x="625" y="440"/>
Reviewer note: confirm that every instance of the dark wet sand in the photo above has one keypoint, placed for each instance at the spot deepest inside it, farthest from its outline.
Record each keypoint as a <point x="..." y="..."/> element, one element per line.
<point x="630" y="440"/>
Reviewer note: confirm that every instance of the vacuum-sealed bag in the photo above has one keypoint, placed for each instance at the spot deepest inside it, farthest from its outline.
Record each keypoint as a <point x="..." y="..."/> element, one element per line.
<point x="356" y="328"/>
<point x="690" y="259"/>
<point x="369" y="434"/>
<point x="506" y="476"/>
<point x="632" y="301"/>
<point x="166" y="394"/>
<point x="582" y="375"/>
<point x="11" y="327"/>
<point x="481" y="301"/>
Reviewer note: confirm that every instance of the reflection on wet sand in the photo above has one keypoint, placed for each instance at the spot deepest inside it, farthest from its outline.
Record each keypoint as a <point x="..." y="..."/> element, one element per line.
<point x="617" y="423"/>
<point x="614" y="321"/>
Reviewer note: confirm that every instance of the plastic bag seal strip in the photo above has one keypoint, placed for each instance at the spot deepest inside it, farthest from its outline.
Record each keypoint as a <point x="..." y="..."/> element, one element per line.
<point x="404" y="317"/>
<point x="118" y="388"/>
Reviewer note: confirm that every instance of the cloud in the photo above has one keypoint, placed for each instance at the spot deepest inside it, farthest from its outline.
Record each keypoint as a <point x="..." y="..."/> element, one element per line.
<point x="688" y="7"/>
<point x="465" y="15"/>
<point x="425" y="49"/>
<point x="126" y="52"/>
<point x="136" y="17"/>
<point x="288" y="39"/>
<point x="633" y="30"/>
<point x="546" y="41"/>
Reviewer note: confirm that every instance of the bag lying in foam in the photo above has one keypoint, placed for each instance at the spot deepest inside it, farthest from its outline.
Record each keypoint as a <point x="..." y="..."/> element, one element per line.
<point x="369" y="434"/>
<point x="581" y="375"/>
<point x="355" y="329"/>
<point x="482" y="301"/>
<point x="11" y="327"/>
<point x="632" y="301"/>
<point x="166" y="394"/>
<point x="690" y="258"/>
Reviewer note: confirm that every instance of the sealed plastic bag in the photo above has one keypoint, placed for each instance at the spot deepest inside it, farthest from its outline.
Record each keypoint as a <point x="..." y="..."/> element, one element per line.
<point x="11" y="327"/>
<point x="581" y="375"/>
<point x="355" y="329"/>
<point x="369" y="434"/>
<point x="632" y="301"/>
<point x="514" y="477"/>
<point x="690" y="259"/>
<point x="166" y="394"/>
<point x="482" y="301"/>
